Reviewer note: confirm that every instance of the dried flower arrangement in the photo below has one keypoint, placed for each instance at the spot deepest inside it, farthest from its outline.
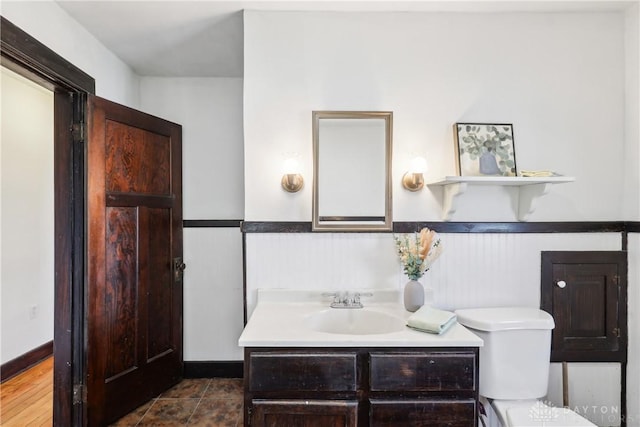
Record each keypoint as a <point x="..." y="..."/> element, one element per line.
<point x="418" y="251"/>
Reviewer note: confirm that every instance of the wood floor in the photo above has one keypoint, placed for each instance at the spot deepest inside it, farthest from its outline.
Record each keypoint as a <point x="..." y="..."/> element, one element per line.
<point x="27" y="398"/>
<point x="27" y="401"/>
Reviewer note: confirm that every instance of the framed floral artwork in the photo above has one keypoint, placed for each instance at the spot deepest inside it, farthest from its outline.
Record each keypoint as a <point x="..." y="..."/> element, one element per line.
<point x="484" y="149"/>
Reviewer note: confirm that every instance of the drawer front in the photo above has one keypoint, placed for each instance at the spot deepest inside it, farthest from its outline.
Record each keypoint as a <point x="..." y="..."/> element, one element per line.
<point x="316" y="413"/>
<point x="450" y="413"/>
<point x="275" y="371"/>
<point x="431" y="371"/>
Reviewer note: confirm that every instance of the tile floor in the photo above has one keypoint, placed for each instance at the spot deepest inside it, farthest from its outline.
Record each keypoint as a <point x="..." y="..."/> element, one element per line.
<point x="204" y="402"/>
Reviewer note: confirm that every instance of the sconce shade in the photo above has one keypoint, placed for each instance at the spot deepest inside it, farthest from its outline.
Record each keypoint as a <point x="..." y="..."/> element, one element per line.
<point x="291" y="166"/>
<point x="418" y="165"/>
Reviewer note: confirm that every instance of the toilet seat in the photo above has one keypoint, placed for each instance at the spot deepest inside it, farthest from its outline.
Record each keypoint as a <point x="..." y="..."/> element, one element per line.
<point x="535" y="413"/>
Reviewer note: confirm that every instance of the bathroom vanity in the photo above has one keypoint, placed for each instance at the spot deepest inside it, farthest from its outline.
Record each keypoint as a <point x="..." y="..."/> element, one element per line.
<point x="309" y="365"/>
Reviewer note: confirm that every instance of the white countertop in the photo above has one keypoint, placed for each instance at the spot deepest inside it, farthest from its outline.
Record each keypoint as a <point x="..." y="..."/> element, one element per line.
<point x="280" y="319"/>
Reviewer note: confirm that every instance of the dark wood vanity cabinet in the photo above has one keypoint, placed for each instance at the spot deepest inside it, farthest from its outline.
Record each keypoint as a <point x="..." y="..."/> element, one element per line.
<point x="361" y="387"/>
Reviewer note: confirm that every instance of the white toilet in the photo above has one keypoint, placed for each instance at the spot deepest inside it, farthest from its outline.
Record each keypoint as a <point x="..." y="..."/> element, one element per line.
<point x="514" y="365"/>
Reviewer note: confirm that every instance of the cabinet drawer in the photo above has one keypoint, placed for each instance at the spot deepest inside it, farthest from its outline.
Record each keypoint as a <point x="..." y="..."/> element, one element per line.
<point x="316" y="413"/>
<point x="292" y="371"/>
<point x="436" y="412"/>
<point x="429" y="371"/>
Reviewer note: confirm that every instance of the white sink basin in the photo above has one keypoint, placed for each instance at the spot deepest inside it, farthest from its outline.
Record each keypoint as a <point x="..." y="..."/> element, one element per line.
<point x="353" y="322"/>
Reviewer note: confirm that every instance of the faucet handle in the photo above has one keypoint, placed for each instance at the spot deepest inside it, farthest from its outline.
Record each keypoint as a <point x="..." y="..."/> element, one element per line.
<point x="357" y="295"/>
<point x="335" y="295"/>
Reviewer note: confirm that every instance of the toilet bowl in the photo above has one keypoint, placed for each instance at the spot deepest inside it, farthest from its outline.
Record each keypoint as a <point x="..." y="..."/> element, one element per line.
<point x="536" y="413"/>
<point x="514" y="365"/>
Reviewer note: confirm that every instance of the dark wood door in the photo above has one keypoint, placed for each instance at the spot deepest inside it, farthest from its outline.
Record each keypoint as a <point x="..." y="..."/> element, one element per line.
<point x="585" y="292"/>
<point x="134" y="262"/>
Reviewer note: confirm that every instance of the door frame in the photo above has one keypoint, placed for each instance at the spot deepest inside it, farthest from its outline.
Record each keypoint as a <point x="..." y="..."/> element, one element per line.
<point x="28" y="57"/>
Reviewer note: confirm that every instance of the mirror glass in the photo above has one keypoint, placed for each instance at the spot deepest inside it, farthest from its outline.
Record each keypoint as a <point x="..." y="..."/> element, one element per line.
<point x="352" y="170"/>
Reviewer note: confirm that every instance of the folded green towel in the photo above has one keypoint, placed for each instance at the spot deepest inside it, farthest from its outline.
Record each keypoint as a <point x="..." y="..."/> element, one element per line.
<point x="432" y="320"/>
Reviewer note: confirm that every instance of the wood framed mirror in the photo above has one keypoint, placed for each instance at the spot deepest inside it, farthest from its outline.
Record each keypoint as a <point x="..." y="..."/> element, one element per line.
<point x="352" y="170"/>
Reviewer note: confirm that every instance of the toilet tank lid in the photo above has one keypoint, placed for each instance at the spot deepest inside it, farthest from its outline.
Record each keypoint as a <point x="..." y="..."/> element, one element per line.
<point x="505" y="318"/>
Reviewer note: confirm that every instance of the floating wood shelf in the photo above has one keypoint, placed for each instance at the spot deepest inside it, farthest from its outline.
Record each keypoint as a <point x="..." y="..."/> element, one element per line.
<point x="529" y="190"/>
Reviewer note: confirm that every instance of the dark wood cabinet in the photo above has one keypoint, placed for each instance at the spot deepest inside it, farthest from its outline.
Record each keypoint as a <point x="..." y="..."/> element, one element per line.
<point x="585" y="292"/>
<point x="361" y="387"/>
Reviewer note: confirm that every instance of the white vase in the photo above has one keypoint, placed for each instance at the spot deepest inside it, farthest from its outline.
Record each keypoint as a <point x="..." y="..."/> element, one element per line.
<point x="413" y="295"/>
<point x="416" y="295"/>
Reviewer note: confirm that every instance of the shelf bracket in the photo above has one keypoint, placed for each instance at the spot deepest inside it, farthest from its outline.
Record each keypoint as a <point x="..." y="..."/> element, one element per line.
<point x="451" y="193"/>
<point x="528" y="199"/>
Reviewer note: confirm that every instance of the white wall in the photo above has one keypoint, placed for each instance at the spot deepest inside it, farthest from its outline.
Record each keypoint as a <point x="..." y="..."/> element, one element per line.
<point x="558" y="77"/>
<point x="27" y="227"/>
<point x="632" y="113"/>
<point x="51" y="25"/>
<point x="210" y="111"/>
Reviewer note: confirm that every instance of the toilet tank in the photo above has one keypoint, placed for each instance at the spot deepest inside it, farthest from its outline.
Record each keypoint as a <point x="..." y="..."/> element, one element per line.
<point x="514" y="360"/>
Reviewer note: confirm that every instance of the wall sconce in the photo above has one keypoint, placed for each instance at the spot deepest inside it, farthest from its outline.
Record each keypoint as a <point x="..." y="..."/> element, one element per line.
<point x="413" y="180"/>
<point x="292" y="180"/>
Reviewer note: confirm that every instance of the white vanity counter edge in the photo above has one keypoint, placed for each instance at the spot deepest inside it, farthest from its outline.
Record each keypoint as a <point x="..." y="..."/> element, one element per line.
<point x="279" y="321"/>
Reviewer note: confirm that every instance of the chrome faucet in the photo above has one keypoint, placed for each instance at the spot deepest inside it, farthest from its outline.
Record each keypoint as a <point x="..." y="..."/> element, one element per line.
<point x="347" y="300"/>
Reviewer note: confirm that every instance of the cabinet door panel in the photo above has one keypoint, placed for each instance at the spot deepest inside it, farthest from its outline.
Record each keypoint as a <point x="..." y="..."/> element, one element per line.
<point x="423" y="371"/>
<point x="304" y="413"/>
<point x="293" y="371"/>
<point x="589" y="307"/>
<point x="436" y="412"/>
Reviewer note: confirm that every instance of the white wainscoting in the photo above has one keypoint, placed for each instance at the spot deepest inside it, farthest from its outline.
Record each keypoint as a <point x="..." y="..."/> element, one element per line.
<point x="593" y="390"/>
<point x="331" y="261"/>
<point x="213" y="306"/>
<point x="475" y="270"/>
<point x="633" y="366"/>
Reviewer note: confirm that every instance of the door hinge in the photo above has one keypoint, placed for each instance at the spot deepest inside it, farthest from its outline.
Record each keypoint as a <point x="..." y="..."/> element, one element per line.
<point x="616" y="332"/>
<point x="77" y="130"/>
<point x="79" y="394"/>
<point x="616" y="279"/>
<point x="249" y="410"/>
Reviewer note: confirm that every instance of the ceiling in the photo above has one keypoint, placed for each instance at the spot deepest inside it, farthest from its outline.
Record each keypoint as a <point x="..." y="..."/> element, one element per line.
<point x="204" y="38"/>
